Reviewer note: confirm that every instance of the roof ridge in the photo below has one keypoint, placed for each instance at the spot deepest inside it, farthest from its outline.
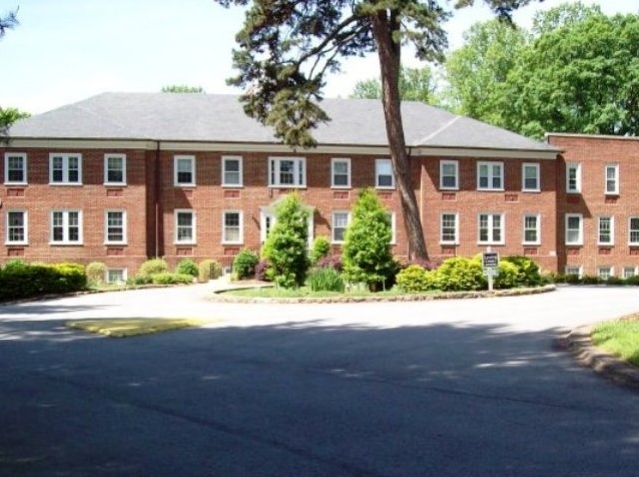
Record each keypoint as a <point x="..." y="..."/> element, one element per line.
<point x="440" y="130"/>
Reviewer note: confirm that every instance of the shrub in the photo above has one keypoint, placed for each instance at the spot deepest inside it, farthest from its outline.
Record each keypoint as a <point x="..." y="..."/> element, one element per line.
<point x="330" y="262"/>
<point x="244" y="264"/>
<point x="15" y="264"/>
<point x="262" y="271"/>
<point x="591" y="280"/>
<point x="153" y="266"/>
<point x="572" y="278"/>
<point x="325" y="279"/>
<point x="366" y="254"/>
<point x="166" y="278"/>
<point x="95" y="273"/>
<point x="415" y="279"/>
<point x="425" y="264"/>
<point x="634" y="280"/>
<point x="286" y="244"/>
<point x="508" y="276"/>
<point x="140" y="280"/>
<point x="187" y="267"/>
<point x="321" y="248"/>
<point x="528" y="274"/>
<point x="209" y="270"/>
<point x="460" y="274"/>
<point x="27" y="281"/>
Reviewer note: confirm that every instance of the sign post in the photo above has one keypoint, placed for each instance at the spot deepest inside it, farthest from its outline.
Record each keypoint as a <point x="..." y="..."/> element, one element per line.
<point x="490" y="263"/>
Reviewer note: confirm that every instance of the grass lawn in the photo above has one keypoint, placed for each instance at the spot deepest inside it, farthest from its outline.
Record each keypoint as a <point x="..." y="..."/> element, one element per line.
<point x="124" y="327"/>
<point x="619" y="337"/>
<point x="303" y="292"/>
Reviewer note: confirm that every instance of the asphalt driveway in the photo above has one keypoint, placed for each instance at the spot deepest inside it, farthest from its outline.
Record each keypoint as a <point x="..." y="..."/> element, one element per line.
<point x="442" y="388"/>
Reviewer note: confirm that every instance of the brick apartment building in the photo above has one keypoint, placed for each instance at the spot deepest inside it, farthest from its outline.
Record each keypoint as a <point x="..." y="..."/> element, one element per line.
<point x="120" y="177"/>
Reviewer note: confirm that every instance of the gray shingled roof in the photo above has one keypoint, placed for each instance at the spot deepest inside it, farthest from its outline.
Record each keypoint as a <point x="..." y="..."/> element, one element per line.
<point x="220" y="118"/>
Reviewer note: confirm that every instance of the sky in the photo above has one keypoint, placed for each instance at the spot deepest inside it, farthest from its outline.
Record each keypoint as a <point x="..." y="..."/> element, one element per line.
<point x="67" y="50"/>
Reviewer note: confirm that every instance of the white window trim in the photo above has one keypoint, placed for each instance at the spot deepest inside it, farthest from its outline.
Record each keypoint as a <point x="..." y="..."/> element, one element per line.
<point x="612" y="230"/>
<point x="335" y="161"/>
<point x="523" y="176"/>
<point x="240" y="225"/>
<point x="601" y="267"/>
<point x="490" y="165"/>
<point x="441" y="229"/>
<point x="124" y="274"/>
<point x="377" y="175"/>
<point x="535" y="242"/>
<point x="298" y="170"/>
<point x="624" y="269"/>
<point x="106" y="227"/>
<point x="491" y="240"/>
<point x="176" y="159"/>
<point x="65" y="226"/>
<point x="106" y="169"/>
<point x="443" y="163"/>
<point x="240" y="160"/>
<point x="65" y="169"/>
<point x="577" y="167"/>
<point x="630" y="242"/>
<point x="25" y="217"/>
<point x="580" y="241"/>
<point x="21" y="155"/>
<point x="191" y="241"/>
<point x="333" y="226"/>
<point x="616" y="169"/>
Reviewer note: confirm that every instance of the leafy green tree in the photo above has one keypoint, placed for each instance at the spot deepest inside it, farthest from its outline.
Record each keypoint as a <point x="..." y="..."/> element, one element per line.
<point x="10" y="115"/>
<point x="415" y="84"/>
<point x="366" y="254"/>
<point x="181" y="88"/>
<point x="286" y="245"/>
<point x="287" y="47"/>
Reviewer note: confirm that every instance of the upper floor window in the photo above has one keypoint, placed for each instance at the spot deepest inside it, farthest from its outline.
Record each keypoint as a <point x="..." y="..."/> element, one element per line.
<point x="491" y="228"/>
<point x="633" y="231"/>
<point x="384" y="178"/>
<point x="574" y="229"/>
<point x="530" y="177"/>
<point x="66" y="227"/>
<point x="606" y="227"/>
<point x="115" y="169"/>
<point x="573" y="178"/>
<point x="449" y="175"/>
<point x="449" y="229"/>
<point x="65" y="169"/>
<point x="490" y="175"/>
<point x="612" y="179"/>
<point x="232" y="227"/>
<point x="15" y="168"/>
<point x="184" y="226"/>
<point x="115" y="226"/>
<point x="184" y="167"/>
<point x="16" y="227"/>
<point x="339" y="224"/>
<point x="531" y="230"/>
<point x="232" y="171"/>
<point x="287" y="172"/>
<point x="340" y="173"/>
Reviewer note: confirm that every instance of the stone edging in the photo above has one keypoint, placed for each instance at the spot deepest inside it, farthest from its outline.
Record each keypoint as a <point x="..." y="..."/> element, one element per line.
<point x="220" y="296"/>
<point x="579" y="343"/>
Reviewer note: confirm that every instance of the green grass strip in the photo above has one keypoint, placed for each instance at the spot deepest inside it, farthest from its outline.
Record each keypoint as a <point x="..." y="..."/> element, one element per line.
<point x="619" y="337"/>
<point x="126" y="327"/>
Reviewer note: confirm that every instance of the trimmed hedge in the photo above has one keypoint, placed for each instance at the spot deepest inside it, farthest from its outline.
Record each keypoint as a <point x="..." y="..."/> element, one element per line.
<point x="18" y="282"/>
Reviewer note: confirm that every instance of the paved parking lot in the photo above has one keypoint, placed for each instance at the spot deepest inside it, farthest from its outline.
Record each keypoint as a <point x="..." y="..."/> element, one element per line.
<point x="442" y="388"/>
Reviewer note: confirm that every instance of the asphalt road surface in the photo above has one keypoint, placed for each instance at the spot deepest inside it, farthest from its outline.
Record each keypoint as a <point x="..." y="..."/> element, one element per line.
<point x="441" y="388"/>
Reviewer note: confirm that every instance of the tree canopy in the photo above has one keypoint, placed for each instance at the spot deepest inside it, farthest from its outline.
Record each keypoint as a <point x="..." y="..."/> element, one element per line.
<point x="415" y="84"/>
<point x="8" y="22"/>
<point x="182" y="88"/>
<point x="10" y="115"/>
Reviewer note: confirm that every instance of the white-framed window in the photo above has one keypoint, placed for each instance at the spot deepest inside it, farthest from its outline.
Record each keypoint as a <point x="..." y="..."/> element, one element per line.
<point x="116" y="276"/>
<point x="115" y="169"/>
<point x="449" y="228"/>
<point x="287" y="172"/>
<point x="17" y="227"/>
<point x="573" y="270"/>
<point x="267" y="221"/>
<point x="573" y="178"/>
<point x="232" y="175"/>
<point x="612" y="179"/>
<point x="340" y="173"/>
<point x="606" y="231"/>
<point x="629" y="272"/>
<point x="574" y="229"/>
<point x="530" y="179"/>
<point x="66" y="227"/>
<point x="490" y="176"/>
<point x="184" y="171"/>
<point x="184" y="227"/>
<point x="339" y="224"/>
<point x="532" y="227"/>
<point x="491" y="228"/>
<point x="232" y="227"/>
<point x="115" y="227"/>
<point x="384" y="178"/>
<point x="449" y="175"/>
<point x="633" y="231"/>
<point x="15" y="168"/>
<point x="605" y="272"/>
<point x="65" y="169"/>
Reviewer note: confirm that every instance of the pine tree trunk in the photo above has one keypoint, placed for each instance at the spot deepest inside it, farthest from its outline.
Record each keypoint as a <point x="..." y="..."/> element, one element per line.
<point x="389" y="51"/>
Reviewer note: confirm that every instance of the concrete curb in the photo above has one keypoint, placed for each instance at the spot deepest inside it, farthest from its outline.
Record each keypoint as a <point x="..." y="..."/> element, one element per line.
<point x="578" y="342"/>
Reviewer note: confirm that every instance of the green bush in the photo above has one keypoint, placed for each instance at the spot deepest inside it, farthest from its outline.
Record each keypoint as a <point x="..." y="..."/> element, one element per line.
<point x="140" y="280"/>
<point x="460" y="274"/>
<point x="572" y="278"/>
<point x="508" y="276"/>
<point x="25" y="281"/>
<point x="325" y="279"/>
<point x="528" y="274"/>
<point x="209" y="270"/>
<point x="321" y="248"/>
<point x="153" y="266"/>
<point x="415" y="279"/>
<point x="96" y="272"/>
<point x="244" y="264"/>
<point x="187" y="267"/>
<point x="166" y="278"/>
<point x="14" y="264"/>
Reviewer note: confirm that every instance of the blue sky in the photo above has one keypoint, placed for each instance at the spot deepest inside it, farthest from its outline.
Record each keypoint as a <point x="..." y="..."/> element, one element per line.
<point x="67" y="50"/>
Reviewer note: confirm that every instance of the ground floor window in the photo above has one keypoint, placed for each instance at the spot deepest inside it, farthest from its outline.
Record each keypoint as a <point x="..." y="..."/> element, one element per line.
<point x="605" y="272"/>
<point x="66" y="227"/>
<point x="573" y="270"/>
<point x="116" y="276"/>
<point x="232" y="227"/>
<point x="629" y="272"/>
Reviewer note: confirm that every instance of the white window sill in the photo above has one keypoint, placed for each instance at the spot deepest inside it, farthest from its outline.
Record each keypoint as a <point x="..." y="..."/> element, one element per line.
<point x="16" y="244"/>
<point x="233" y="186"/>
<point x="73" y="184"/>
<point x="65" y="244"/>
<point x="16" y="183"/>
<point x="115" y="184"/>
